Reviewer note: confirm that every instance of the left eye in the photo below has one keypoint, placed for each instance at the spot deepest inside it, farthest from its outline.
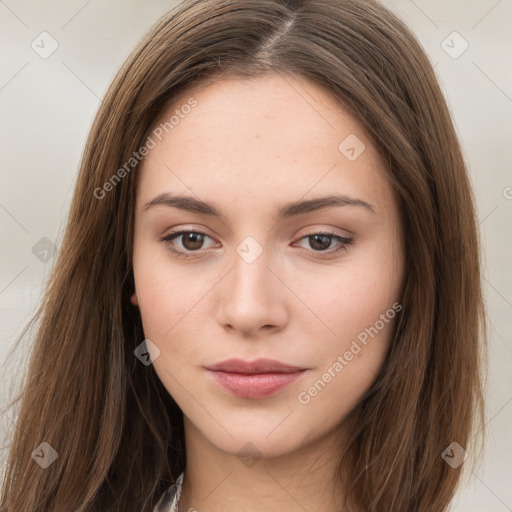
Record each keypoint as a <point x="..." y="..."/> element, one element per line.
<point x="192" y="241"/>
<point x="320" y="242"/>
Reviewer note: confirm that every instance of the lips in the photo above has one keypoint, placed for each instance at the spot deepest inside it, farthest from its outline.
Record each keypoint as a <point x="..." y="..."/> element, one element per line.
<point x="252" y="367"/>
<point x="254" y="379"/>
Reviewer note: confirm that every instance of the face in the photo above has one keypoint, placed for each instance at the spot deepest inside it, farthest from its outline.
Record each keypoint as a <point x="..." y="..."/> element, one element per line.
<point x="265" y="228"/>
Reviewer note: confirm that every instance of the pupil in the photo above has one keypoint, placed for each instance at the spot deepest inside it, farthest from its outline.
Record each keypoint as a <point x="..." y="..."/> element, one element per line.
<point x="193" y="241"/>
<point x="322" y="246"/>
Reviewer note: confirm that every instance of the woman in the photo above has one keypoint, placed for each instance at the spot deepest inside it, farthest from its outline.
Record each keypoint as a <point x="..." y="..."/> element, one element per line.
<point x="268" y="294"/>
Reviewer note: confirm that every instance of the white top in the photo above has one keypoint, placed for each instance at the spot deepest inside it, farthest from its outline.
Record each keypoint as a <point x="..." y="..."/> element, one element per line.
<point x="169" y="500"/>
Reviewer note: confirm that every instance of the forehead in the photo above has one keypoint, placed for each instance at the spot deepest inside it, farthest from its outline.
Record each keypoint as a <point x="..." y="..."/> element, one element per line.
<point x="258" y="138"/>
<point x="257" y="110"/>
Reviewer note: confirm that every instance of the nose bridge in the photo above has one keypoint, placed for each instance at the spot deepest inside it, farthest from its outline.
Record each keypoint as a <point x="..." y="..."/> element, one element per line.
<point x="251" y="277"/>
<point x="252" y="296"/>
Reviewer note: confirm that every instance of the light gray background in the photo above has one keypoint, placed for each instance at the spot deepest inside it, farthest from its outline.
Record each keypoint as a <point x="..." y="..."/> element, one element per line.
<point x="47" y="107"/>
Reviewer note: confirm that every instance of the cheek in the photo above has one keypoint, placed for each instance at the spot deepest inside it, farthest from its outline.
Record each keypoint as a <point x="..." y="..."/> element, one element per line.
<point x="360" y="303"/>
<point x="166" y="293"/>
<point x="173" y="305"/>
<point x="355" y="295"/>
<point x="350" y="360"/>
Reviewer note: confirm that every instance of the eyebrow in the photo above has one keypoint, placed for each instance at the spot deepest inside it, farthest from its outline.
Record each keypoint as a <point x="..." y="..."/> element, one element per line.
<point x="286" y="211"/>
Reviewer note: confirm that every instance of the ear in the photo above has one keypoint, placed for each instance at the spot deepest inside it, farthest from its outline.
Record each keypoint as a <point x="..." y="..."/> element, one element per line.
<point x="134" y="299"/>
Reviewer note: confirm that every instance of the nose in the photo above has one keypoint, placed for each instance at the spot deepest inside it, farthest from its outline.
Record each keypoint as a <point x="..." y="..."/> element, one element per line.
<point x="253" y="298"/>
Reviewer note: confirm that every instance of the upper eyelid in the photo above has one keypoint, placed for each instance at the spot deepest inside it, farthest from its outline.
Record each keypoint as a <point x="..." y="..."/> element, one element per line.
<point x="182" y="231"/>
<point x="311" y="231"/>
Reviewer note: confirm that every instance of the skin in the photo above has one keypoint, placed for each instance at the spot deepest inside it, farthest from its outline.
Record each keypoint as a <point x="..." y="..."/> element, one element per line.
<point x="248" y="147"/>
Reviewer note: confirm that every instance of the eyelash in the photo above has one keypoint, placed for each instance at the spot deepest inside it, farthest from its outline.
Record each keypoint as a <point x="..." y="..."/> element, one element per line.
<point x="344" y="242"/>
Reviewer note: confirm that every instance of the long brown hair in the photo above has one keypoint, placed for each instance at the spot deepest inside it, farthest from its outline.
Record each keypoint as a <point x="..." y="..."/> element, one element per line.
<point x="117" y="431"/>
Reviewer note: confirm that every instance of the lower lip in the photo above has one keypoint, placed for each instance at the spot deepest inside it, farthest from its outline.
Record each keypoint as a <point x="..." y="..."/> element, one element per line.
<point x="259" y="385"/>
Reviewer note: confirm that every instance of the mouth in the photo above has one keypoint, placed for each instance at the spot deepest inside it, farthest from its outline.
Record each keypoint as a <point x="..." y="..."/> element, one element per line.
<point x="261" y="378"/>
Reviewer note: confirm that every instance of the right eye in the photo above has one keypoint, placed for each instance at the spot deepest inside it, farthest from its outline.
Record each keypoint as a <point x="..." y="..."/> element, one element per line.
<point x="192" y="242"/>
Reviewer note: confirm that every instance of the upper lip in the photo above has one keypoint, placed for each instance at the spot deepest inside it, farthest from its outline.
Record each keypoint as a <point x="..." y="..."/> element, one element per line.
<point x="261" y="365"/>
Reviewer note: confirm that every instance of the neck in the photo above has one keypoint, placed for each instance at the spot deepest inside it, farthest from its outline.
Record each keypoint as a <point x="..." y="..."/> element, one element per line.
<point x="216" y="481"/>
